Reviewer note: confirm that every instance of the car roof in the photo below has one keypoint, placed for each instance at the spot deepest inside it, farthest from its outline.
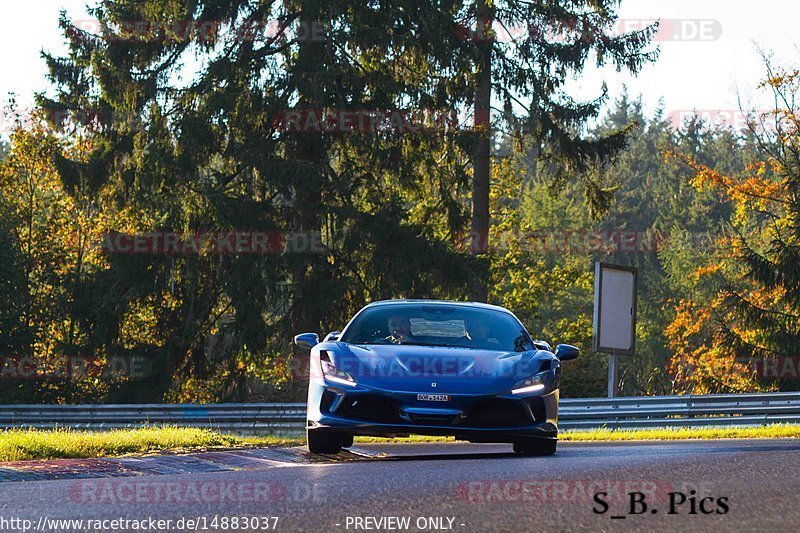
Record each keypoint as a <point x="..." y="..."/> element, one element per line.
<point x="480" y="305"/>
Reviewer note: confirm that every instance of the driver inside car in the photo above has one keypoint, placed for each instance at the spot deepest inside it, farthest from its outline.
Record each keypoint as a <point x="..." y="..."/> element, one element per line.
<point x="478" y="334"/>
<point x="399" y="329"/>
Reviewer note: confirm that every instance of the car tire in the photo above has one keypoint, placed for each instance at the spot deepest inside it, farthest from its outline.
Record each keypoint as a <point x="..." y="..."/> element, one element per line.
<point x="347" y="440"/>
<point x="323" y="441"/>
<point x="531" y="447"/>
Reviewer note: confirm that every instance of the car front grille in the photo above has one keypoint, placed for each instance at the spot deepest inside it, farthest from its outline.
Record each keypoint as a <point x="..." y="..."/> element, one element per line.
<point x="432" y="420"/>
<point x="487" y="413"/>
<point x="370" y="408"/>
<point x="498" y="412"/>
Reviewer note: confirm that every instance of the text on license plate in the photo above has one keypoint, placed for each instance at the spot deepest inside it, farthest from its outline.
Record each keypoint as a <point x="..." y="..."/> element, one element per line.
<point x="433" y="397"/>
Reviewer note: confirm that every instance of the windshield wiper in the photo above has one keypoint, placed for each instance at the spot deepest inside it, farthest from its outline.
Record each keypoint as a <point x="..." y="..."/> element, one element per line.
<point x="401" y="343"/>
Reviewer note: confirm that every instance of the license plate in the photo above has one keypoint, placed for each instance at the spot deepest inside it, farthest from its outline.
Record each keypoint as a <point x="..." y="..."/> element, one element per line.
<point x="433" y="397"/>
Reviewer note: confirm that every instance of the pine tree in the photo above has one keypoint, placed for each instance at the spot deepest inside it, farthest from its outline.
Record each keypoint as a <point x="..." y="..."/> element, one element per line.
<point x="214" y="152"/>
<point x="753" y="312"/>
<point x="764" y="311"/>
<point x="524" y="63"/>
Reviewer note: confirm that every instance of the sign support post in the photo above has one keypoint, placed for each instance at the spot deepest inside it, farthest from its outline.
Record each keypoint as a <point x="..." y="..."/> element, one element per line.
<point x="613" y="374"/>
<point x="614" y="316"/>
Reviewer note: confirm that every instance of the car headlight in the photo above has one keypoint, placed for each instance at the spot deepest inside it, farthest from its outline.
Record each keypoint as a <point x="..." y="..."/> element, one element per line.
<point x="536" y="383"/>
<point x="335" y="375"/>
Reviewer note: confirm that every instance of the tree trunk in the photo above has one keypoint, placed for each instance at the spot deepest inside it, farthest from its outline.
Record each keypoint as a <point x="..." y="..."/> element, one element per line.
<point x="308" y="149"/>
<point x="481" y="162"/>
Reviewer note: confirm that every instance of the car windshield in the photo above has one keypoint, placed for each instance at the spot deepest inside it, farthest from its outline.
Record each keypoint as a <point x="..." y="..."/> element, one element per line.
<point x="438" y="325"/>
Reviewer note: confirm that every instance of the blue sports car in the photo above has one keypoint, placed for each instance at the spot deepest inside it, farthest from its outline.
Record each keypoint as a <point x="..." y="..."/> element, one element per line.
<point x="431" y="367"/>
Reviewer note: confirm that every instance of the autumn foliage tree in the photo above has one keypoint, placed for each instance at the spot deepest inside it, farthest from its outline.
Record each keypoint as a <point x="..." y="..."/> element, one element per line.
<point x="51" y="244"/>
<point x="747" y="309"/>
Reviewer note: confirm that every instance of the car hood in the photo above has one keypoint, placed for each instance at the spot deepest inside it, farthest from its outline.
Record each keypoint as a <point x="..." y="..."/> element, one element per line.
<point x="407" y="368"/>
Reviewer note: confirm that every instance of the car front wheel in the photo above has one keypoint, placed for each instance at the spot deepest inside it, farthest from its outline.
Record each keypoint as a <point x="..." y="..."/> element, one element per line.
<point x="347" y="440"/>
<point x="536" y="447"/>
<point x="323" y="441"/>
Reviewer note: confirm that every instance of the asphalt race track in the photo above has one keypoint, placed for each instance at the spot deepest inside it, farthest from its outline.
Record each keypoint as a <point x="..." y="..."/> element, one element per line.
<point x="739" y="485"/>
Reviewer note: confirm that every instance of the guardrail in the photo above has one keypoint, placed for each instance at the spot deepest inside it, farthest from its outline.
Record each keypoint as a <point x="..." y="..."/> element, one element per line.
<point x="239" y="418"/>
<point x="286" y="418"/>
<point x="636" y="412"/>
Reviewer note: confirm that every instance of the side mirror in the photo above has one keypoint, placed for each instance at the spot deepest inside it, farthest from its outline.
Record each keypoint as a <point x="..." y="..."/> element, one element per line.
<point x="306" y="340"/>
<point x="332" y="336"/>
<point x="566" y="352"/>
<point x="542" y="345"/>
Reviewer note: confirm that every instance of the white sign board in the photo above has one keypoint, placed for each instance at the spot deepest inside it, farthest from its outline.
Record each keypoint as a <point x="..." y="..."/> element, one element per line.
<point x="614" y="309"/>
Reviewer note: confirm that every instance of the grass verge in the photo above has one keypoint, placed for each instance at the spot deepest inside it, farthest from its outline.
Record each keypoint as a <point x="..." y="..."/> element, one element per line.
<point x="27" y="444"/>
<point x="774" y="431"/>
